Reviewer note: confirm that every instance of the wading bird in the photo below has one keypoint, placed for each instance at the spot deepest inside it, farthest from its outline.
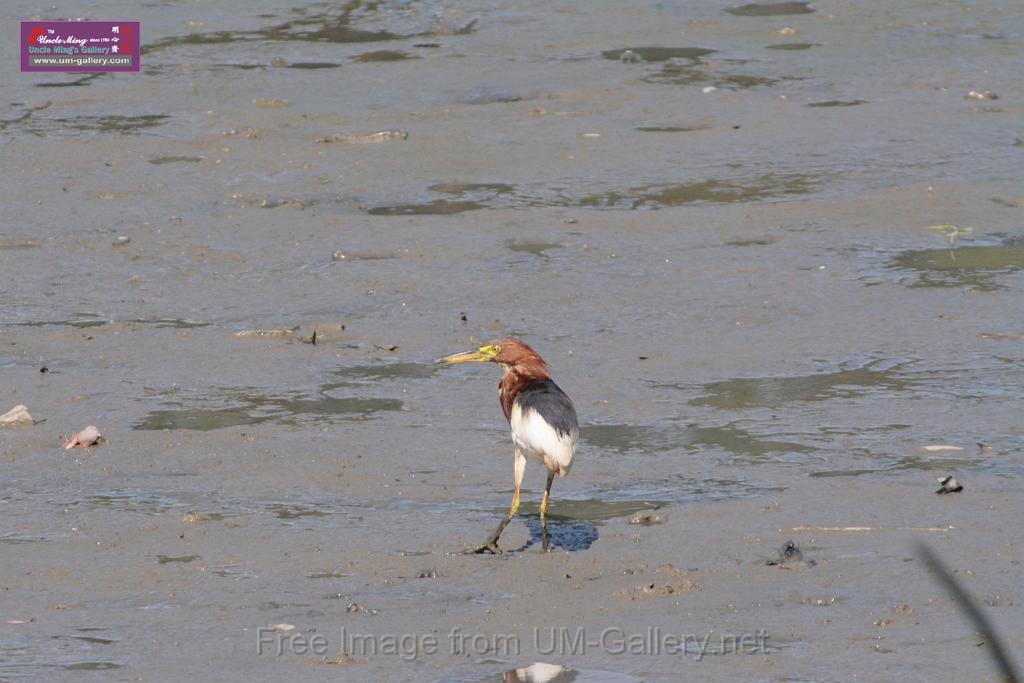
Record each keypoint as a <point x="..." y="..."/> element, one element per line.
<point x="542" y="418"/>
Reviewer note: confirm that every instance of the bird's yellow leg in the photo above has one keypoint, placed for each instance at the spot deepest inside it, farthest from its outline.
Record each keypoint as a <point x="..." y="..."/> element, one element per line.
<point x="515" y="504"/>
<point x="544" y="510"/>
<point x="491" y="546"/>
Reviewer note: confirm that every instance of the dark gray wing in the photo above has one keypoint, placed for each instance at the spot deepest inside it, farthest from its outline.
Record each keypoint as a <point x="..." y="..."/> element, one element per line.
<point x="545" y="397"/>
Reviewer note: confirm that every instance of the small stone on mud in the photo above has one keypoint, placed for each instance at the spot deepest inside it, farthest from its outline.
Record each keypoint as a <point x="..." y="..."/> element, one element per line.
<point x="429" y="574"/>
<point x="998" y="601"/>
<point x="267" y="103"/>
<point x="194" y="518"/>
<point x="341" y="658"/>
<point x="355" y="608"/>
<point x="949" y="485"/>
<point x="646" y="518"/>
<point x="90" y="436"/>
<point x="122" y="240"/>
<point x="366" y="138"/>
<point x="902" y="608"/>
<point x="790" y="557"/>
<point x="818" y="601"/>
<point x="263" y="334"/>
<point x="981" y="95"/>
<point x="17" y="415"/>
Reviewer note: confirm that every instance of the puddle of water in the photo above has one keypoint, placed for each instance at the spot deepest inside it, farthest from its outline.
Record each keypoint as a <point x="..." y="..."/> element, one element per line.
<point x="327" y="27"/>
<point x="470" y="197"/>
<point x="792" y="46"/>
<point x="384" y="56"/>
<point x="569" y="536"/>
<point x="709" y="191"/>
<point x="334" y="574"/>
<point x="243" y="67"/>
<point x="837" y="103"/>
<point x="624" y="438"/>
<point x="590" y="510"/>
<point x="93" y="666"/>
<point x="173" y="323"/>
<point x="659" y="54"/>
<point x="463" y="189"/>
<point x="978" y="267"/>
<point x="656" y="439"/>
<point x="683" y="489"/>
<point x="387" y="371"/>
<point x="111" y="123"/>
<point x="313" y="65"/>
<point x="146" y="504"/>
<point x="199" y="507"/>
<point x="675" y="73"/>
<point x="739" y="441"/>
<point x="909" y="462"/>
<point x="548" y="673"/>
<point x="773" y="392"/>
<point x="474" y="196"/>
<point x="535" y="248"/>
<point x="685" y="66"/>
<point x="438" y="207"/>
<point x="84" y="80"/>
<point x="20" y="244"/>
<point x="490" y="96"/>
<point x="773" y="9"/>
<point x="24" y="117"/>
<point x="254" y="408"/>
<point x="672" y="129"/>
<point x="751" y="242"/>
<point x="95" y="640"/>
<point x="78" y="323"/>
<point x="184" y="559"/>
<point x="159" y="161"/>
<point x="15" y="539"/>
<point x="297" y="511"/>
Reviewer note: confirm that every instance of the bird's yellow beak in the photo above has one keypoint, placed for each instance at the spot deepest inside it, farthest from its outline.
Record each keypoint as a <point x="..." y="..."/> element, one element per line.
<point x="484" y="353"/>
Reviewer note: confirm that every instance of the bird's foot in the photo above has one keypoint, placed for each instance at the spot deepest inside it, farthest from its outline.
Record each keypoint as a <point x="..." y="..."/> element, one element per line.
<point x="489" y="547"/>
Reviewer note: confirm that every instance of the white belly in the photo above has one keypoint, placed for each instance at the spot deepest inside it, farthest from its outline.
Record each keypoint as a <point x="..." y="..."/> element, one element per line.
<point x="538" y="440"/>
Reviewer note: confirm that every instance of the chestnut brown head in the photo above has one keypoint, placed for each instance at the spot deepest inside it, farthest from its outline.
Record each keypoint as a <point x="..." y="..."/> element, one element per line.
<point x="512" y="354"/>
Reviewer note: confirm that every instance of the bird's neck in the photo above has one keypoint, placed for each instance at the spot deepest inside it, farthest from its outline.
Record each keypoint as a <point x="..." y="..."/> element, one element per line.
<point x="514" y="379"/>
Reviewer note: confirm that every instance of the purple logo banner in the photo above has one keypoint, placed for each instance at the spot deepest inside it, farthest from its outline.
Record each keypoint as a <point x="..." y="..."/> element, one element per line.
<point x="80" y="46"/>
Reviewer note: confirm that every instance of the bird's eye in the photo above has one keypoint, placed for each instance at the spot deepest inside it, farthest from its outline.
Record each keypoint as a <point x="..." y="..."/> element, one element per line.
<point x="490" y="350"/>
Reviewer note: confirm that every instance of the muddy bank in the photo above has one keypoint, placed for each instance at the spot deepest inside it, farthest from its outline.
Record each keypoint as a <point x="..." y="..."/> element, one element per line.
<point x="714" y="225"/>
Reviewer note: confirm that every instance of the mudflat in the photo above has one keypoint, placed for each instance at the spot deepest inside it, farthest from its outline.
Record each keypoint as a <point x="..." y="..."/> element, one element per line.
<point x="715" y="227"/>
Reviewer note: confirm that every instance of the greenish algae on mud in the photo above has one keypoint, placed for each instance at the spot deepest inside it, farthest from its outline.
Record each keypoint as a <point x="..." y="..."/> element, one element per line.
<point x="770" y="9"/>
<point x="980" y="267"/>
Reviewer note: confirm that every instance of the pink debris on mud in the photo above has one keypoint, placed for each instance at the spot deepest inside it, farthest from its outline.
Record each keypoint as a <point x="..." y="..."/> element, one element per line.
<point x="90" y="436"/>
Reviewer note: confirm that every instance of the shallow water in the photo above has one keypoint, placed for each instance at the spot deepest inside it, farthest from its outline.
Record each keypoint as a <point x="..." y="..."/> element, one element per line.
<point x="711" y="220"/>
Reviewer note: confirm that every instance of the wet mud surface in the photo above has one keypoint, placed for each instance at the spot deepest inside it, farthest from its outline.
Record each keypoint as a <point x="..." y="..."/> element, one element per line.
<point x="712" y="221"/>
